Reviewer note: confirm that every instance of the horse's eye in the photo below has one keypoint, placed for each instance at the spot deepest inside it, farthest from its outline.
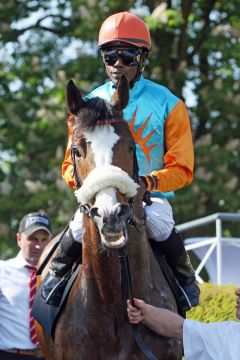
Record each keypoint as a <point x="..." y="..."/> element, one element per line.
<point x="77" y="153"/>
<point x="79" y="149"/>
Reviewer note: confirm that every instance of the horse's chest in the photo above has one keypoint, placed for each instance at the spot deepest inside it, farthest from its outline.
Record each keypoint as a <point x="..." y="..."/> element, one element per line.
<point x="100" y="335"/>
<point x="101" y="339"/>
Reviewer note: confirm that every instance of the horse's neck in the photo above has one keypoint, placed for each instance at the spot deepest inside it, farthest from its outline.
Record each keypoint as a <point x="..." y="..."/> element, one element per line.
<point x="139" y="254"/>
<point x="99" y="266"/>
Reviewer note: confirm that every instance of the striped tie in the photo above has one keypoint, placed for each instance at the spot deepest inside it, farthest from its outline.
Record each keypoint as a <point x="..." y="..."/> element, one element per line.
<point x="32" y="293"/>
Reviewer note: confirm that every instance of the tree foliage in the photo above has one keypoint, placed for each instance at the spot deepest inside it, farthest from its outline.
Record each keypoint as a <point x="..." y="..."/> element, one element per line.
<point x="195" y="53"/>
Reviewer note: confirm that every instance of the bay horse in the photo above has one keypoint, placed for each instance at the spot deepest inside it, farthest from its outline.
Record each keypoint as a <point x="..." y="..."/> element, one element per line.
<point x="93" y="324"/>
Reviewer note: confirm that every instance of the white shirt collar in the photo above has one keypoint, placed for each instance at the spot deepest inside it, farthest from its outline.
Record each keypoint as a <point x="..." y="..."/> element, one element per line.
<point x="19" y="261"/>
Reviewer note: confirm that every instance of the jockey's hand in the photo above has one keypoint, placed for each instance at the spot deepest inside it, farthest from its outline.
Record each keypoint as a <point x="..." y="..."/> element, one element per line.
<point x="136" y="313"/>
<point x="143" y="191"/>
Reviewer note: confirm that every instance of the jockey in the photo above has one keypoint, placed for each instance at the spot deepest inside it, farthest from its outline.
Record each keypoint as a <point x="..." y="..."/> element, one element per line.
<point x="160" y="126"/>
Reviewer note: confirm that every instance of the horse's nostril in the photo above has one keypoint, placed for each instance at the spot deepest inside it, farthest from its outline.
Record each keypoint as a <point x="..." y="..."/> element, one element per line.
<point x="123" y="211"/>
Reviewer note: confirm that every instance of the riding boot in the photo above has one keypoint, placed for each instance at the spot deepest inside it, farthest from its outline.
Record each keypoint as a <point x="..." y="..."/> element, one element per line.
<point x="68" y="252"/>
<point x="178" y="259"/>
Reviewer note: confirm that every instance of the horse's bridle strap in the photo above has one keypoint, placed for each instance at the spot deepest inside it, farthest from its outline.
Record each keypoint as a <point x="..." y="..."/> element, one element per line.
<point x="126" y="288"/>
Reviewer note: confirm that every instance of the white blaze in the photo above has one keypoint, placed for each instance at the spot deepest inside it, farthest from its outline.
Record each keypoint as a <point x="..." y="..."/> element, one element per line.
<point x="105" y="200"/>
<point x="102" y="140"/>
<point x="103" y="181"/>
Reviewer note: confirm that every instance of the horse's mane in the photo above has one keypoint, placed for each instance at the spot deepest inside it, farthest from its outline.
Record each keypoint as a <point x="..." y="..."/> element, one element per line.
<point x="95" y="110"/>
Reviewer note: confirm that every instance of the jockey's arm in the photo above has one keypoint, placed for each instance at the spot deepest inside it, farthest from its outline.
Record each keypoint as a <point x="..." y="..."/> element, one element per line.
<point x="179" y="154"/>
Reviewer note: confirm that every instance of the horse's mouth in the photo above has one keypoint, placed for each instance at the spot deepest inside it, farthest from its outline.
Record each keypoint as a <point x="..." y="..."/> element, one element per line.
<point x="115" y="241"/>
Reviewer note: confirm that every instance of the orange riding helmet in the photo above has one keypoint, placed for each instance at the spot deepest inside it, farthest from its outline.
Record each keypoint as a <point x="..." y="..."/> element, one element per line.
<point x="124" y="27"/>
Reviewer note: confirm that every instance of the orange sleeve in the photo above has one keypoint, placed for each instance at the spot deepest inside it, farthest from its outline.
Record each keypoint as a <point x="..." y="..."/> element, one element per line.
<point x="179" y="153"/>
<point x="67" y="165"/>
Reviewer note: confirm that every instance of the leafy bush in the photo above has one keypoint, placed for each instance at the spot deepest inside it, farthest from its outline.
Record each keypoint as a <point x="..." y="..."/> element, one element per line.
<point x="217" y="303"/>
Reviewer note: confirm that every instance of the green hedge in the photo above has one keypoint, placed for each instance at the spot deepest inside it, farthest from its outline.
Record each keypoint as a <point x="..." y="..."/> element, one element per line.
<point x="217" y="303"/>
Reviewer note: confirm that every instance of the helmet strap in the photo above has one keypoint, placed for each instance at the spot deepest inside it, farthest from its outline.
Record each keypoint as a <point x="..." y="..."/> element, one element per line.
<point x="140" y="70"/>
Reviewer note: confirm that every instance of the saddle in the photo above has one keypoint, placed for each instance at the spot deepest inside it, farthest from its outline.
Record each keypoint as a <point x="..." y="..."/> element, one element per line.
<point x="47" y="315"/>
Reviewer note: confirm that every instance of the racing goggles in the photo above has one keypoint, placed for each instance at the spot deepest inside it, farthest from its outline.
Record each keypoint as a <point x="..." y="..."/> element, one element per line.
<point x="129" y="57"/>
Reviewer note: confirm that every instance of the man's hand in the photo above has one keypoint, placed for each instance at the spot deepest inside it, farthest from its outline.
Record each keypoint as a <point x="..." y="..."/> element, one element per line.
<point x="136" y="313"/>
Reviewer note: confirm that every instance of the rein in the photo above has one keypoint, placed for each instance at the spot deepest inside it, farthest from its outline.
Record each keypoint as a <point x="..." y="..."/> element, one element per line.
<point x="126" y="289"/>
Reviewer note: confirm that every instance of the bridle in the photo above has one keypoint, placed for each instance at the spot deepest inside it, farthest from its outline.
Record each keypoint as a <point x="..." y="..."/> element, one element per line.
<point x="85" y="208"/>
<point x="126" y="279"/>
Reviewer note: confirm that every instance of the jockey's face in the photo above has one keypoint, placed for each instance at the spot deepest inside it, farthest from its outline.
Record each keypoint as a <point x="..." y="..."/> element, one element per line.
<point x="121" y="60"/>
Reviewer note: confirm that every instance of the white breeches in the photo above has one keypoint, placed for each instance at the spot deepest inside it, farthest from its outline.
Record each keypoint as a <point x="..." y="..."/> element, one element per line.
<point x="76" y="226"/>
<point x="159" y="219"/>
<point x="159" y="222"/>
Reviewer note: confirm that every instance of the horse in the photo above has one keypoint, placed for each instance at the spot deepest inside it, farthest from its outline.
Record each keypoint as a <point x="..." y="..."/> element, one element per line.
<point x="93" y="324"/>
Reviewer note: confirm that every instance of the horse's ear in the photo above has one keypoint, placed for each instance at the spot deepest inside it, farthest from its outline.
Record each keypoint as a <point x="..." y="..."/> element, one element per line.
<point x="120" y="97"/>
<point x="74" y="98"/>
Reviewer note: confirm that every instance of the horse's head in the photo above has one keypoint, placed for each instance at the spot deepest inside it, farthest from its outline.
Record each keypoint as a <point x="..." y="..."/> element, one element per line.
<point x="103" y="153"/>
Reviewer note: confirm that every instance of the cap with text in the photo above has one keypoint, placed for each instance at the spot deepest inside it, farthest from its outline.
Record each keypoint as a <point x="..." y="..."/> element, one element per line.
<point x="33" y="222"/>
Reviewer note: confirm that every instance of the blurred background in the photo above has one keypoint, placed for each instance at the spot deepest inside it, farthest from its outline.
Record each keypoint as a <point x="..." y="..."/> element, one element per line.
<point x="43" y="43"/>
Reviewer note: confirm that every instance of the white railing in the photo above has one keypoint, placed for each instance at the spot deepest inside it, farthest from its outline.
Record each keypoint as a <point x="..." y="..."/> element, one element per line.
<point x="214" y="242"/>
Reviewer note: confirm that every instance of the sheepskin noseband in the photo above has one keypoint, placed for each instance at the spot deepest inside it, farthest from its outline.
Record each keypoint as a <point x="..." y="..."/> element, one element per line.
<point x="103" y="177"/>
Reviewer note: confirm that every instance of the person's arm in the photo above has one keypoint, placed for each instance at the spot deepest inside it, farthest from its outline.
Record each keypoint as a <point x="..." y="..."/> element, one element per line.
<point x="162" y="321"/>
<point x="179" y="153"/>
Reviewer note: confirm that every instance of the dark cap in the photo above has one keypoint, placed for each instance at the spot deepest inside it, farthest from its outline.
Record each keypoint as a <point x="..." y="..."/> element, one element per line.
<point x="33" y="222"/>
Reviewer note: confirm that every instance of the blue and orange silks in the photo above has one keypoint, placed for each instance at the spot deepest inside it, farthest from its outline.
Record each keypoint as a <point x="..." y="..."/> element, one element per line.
<point x="160" y="125"/>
